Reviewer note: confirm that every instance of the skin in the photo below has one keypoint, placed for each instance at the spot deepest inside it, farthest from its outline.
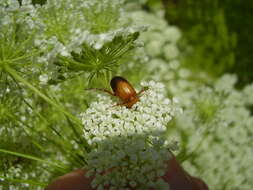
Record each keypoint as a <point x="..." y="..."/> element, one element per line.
<point x="176" y="177"/>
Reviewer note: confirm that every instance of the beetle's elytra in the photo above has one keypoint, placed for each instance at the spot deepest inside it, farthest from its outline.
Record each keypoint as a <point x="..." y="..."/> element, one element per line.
<point x="124" y="90"/>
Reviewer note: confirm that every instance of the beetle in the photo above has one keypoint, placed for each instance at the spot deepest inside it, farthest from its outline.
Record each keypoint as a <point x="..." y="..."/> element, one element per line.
<point x="124" y="90"/>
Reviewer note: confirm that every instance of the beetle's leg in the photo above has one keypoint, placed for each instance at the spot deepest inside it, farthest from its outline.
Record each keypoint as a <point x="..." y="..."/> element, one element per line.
<point x="103" y="90"/>
<point x="142" y="90"/>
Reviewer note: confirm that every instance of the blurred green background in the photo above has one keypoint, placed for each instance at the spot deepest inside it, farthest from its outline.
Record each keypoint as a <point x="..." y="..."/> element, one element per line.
<point x="219" y="31"/>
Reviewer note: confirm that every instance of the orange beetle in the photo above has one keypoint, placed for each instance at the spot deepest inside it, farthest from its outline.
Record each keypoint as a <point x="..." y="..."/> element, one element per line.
<point x="124" y="90"/>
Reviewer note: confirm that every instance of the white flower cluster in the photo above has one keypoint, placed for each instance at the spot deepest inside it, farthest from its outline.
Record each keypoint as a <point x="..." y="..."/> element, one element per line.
<point x="97" y="41"/>
<point x="74" y="25"/>
<point x="161" y="46"/>
<point x="228" y="146"/>
<point x="248" y="97"/>
<point x="216" y="127"/>
<point x="129" y="146"/>
<point x="20" y="172"/>
<point x="12" y="12"/>
<point x="160" y="39"/>
<point x="17" y="31"/>
<point x="217" y="131"/>
<point x="79" y="37"/>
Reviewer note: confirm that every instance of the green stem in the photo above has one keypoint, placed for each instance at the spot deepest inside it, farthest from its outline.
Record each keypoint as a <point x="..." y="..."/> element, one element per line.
<point x="31" y="182"/>
<point x="190" y="154"/>
<point x="15" y="75"/>
<point x="61" y="168"/>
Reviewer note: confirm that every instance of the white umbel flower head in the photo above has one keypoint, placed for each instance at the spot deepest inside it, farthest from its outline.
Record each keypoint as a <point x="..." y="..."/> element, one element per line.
<point x="129" y="146"/>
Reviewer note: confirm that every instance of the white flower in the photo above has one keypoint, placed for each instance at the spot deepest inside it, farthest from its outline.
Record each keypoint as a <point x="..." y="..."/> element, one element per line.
<point x="123" y="139"/>
<point x="248" y="94"/>
<point x="154" y="48"/>
<point x="43" y="79"/>
<point x="170" y="51"/>
<point x="172" y="34"/>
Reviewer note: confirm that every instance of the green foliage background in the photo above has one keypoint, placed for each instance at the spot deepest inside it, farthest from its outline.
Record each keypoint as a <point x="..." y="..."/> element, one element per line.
<point x="219" y="30"/>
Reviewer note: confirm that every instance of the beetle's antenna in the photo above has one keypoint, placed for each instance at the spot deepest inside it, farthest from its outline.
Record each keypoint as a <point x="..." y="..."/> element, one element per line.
<point x="142" y="90"/>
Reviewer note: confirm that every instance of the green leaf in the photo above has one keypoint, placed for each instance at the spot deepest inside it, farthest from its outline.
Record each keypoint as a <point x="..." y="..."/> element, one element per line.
<point x="31" y="182"/>
<point x="31" y="157"/>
